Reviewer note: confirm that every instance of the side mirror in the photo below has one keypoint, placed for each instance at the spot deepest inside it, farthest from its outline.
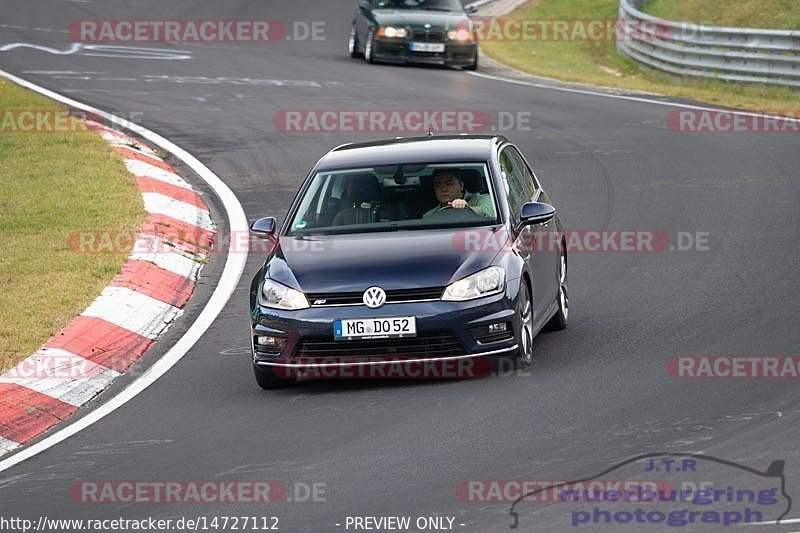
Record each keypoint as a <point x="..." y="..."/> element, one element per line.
<point x="264" y="227"/>
<point x="471" y="9"/>
<point x="536" y="213"/>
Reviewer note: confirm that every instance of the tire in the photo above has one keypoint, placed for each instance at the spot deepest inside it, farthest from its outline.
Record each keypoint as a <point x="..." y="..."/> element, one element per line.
<point x="506" y="365"/>
<point x="559" y="320"/>
<point x="266" y="378"/>
<point x="369" y="47"/>
<point x="524" y="355"/>
<point x="352" y="45"/>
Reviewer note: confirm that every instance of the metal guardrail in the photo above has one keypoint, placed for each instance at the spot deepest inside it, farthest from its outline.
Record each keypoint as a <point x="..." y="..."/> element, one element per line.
<point x="735" y="54"/>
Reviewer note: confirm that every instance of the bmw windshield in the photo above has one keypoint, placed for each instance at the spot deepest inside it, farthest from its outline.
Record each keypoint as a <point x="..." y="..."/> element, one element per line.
<point x="396" y="197"/>
<point x="431" y="5"/>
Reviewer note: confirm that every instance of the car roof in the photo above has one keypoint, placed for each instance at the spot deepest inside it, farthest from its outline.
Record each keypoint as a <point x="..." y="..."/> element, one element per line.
<point x="428" y="149"/>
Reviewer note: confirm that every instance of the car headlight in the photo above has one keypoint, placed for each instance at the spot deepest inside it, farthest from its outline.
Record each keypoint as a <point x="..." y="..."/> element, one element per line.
<point x="391" y="32"/>
<point x="459" y="35"/>
<point x="487" y="282"/>
<point x="279" y="296"/>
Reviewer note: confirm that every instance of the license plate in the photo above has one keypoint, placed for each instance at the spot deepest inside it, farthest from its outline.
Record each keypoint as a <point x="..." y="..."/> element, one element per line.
<point x="375" y="328"/>
<point x="426" y="47"/>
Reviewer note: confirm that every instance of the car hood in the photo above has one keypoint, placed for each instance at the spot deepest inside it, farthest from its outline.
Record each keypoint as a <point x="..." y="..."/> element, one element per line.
<point x="397" y="260"/>
<point x="418" y="18"/>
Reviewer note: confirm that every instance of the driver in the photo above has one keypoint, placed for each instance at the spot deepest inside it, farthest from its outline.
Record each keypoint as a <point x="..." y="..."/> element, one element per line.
<point x="448" y="186"/>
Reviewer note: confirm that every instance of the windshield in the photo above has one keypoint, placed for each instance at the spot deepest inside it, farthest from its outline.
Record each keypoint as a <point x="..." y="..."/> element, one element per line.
<point x="432" y="5"/>
<point x="396" y="197"/>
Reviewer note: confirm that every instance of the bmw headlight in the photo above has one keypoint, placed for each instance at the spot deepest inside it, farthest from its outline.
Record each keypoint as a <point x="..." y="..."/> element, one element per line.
<point x="279" y="296"/>
<point x="487" y="282"/>
<point x="392" y="32"/>
<point x="461" y="34"/>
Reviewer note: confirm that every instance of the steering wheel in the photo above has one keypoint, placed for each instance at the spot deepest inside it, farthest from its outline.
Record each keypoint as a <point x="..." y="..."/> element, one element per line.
<point x="452" y="214"/>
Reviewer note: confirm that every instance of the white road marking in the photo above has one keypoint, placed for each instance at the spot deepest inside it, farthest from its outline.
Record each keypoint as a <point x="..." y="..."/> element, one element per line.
<point x="161" y="204"/>
<point x="61" y="375"/>
<point x="7" y="445"/>
<point x="74" y="48"/>
<point x="139" y="149"/>
<point x="61" y="72"/>
<point x="205" y="80"/>
<point x="105" y="50"/>
<point x="133" y="311"/>
<point x="146" y="170"/>
<point x="152" y="249"/>
<point x="774" y="523"/>
<point x="625" y="97"/>
<point x="234" y="266"/>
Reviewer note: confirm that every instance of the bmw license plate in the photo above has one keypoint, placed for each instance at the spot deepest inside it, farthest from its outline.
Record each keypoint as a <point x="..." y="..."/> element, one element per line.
<point x="426" y="47"/>
<point x="375" y="328"/>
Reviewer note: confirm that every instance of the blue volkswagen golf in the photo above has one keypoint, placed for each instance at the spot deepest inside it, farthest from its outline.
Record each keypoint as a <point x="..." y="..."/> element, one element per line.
<point x="430" y="249"/>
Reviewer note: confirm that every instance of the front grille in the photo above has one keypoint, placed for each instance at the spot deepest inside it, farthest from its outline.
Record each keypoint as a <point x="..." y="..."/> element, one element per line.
<point x="356" y="298"/>
<point x="427" y="35"/>
<point x="425" y="345"/>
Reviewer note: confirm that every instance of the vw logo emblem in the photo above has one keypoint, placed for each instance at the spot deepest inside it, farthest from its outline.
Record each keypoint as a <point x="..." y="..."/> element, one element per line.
<point x="374" y="297"/>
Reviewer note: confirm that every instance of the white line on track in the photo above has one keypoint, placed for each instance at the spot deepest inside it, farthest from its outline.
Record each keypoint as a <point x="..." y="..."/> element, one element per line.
<point x="234" y="266"/>
<point x="629" y="98"/>
<point x="773" y="523"/>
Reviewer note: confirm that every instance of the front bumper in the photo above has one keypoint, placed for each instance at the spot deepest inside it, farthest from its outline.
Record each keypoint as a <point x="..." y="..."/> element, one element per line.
<point x="397" y="51"/>
<point x="314" y="326"/>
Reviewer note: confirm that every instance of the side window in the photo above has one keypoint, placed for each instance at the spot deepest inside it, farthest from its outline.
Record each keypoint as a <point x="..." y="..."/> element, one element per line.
<point x="337" y="190"/>
<point x="528" y="182"/>
<point x="514" y="182"/>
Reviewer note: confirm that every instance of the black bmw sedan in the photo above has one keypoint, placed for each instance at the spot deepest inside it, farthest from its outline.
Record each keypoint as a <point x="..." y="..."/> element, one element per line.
<point x="439" y="248"/>
<point x="437" y="32"/>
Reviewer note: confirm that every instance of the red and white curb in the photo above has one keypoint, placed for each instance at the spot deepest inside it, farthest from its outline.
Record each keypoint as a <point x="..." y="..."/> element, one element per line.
<point x="128" y="317"/>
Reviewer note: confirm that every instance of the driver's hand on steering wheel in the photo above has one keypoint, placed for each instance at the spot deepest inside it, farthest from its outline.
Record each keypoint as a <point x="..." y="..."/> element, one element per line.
<point x="458" y="203"/>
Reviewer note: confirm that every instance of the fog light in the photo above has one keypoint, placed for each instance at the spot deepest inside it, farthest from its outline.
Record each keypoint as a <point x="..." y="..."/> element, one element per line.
<point x="272" y="342"/>
<point x="492" y="333"/>
<point x="500" y="327"/>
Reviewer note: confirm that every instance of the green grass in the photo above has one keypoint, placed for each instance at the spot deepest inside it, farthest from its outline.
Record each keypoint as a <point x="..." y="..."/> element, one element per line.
<point x="774" y="14"/>
<point x="599" y="63"/>
<point x="51" y="185"/>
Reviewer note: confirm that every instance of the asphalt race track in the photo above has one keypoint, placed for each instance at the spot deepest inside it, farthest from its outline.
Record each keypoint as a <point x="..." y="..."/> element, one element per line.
<point x="598" y="393"/>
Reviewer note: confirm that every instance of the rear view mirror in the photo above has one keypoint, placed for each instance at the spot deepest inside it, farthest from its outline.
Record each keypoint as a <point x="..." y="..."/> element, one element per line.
<point x="264" y="227"/>
<point x="536" y="213"/>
